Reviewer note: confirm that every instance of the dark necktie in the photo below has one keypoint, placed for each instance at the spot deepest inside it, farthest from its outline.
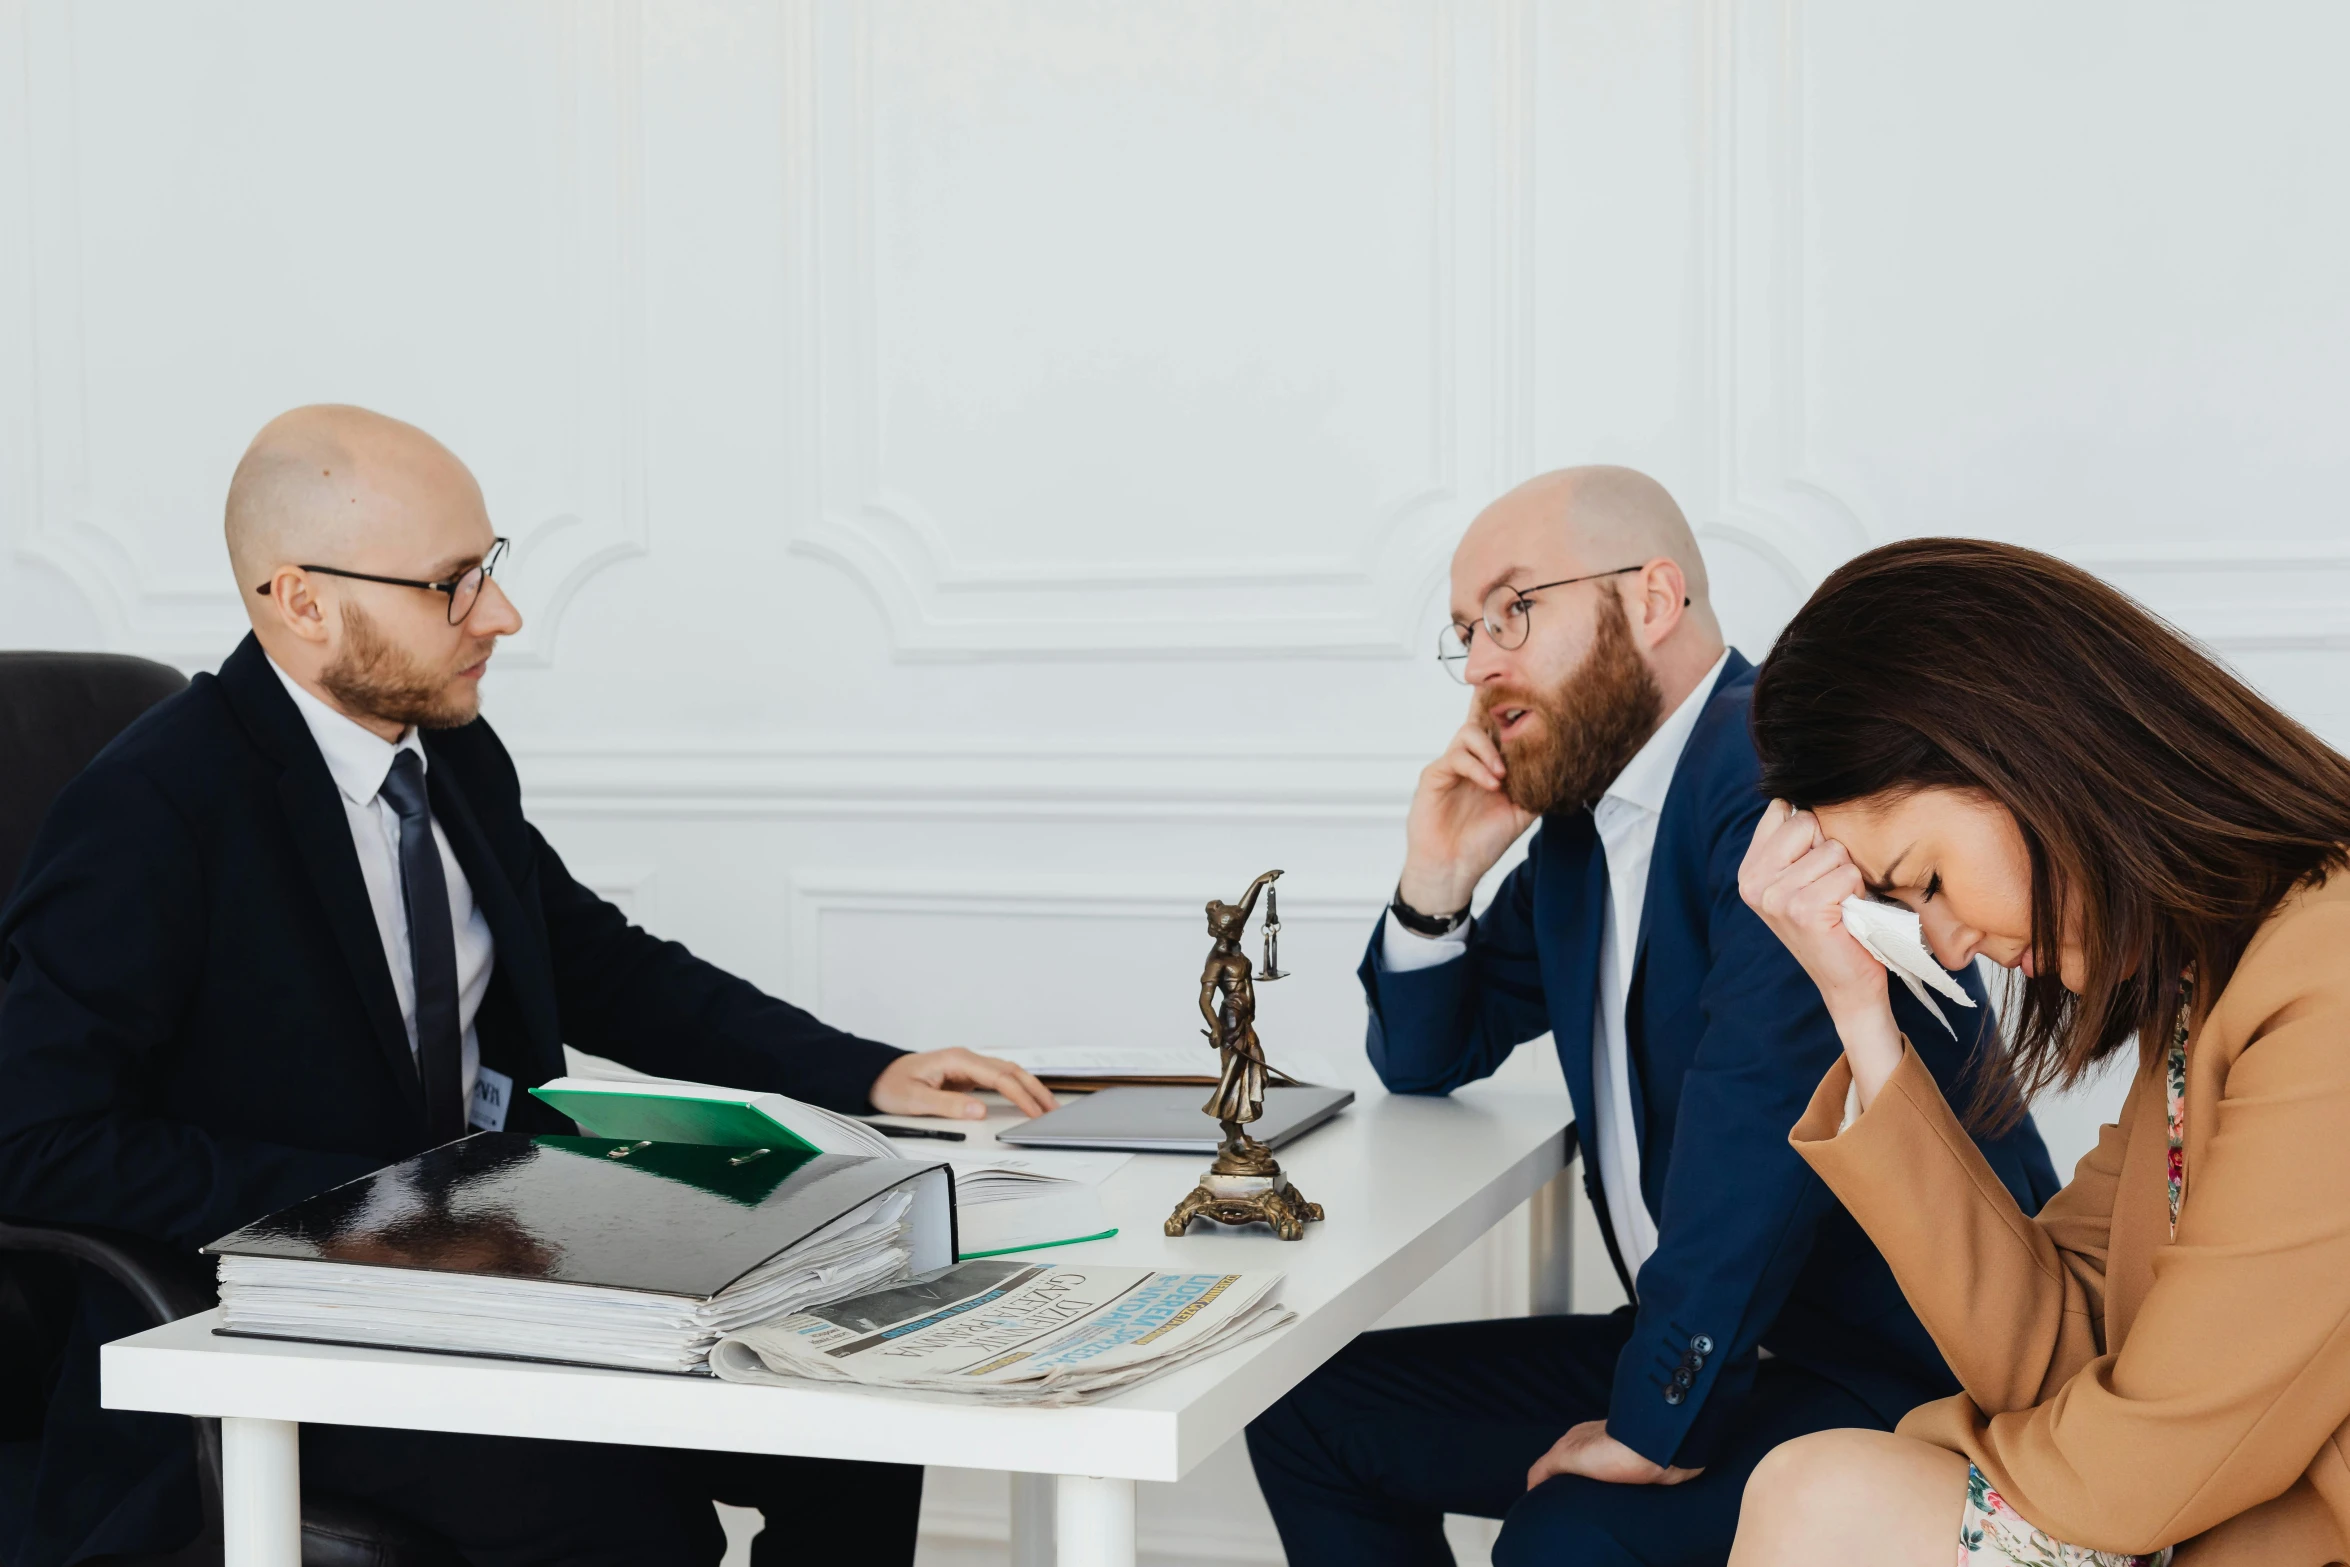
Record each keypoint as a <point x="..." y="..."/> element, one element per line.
<point x="432" y="943"/>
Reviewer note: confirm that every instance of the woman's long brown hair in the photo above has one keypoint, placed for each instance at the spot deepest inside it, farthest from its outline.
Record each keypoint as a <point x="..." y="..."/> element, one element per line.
<point x="2156" y="791"/>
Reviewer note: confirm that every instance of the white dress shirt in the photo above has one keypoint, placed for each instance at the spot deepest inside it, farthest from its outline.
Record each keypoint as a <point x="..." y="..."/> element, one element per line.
<point x="1626" y="817"/>
<point x="359" y="760"/>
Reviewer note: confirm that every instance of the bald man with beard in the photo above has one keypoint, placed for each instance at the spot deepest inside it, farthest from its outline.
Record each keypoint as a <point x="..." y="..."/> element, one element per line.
<point x="1606" y="713"/>
<point x="291" y="927"/>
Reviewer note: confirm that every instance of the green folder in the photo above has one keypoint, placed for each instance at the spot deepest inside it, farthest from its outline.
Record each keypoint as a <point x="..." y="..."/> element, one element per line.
<point x="745" y="1176"/>
<point x="662" y="1118"/>
<point x="610" y="1111"/>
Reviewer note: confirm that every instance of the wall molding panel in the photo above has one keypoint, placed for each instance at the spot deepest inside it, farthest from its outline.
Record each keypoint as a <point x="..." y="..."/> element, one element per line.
<point x="1139" y="784"/>
<point x="939" y="602"/>
<point x="601" y="45"/>
<point x="595" y="47"/>
<point x="1768" y="486"/>
<point x="813" y="894"/>
<point x="1763" y="490"/>
<point x="630" y="888"/>
<point x="2255" y="596"/>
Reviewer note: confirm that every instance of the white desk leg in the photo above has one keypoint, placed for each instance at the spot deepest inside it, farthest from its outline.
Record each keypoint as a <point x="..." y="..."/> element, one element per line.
<point x="261" y="1492"/>
<point x="1033" y="1504"/>
<point x="1550" y="1246"/>
<point x="1094" y="1522"/>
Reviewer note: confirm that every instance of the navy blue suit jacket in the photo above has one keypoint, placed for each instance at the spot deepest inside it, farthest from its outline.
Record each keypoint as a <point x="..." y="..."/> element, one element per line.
<point x="1728" y="1040"/>
<point x="200" y="1026"/>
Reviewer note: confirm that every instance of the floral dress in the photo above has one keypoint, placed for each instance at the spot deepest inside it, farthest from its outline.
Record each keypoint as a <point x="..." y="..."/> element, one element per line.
<point x="1990" y="1532"/>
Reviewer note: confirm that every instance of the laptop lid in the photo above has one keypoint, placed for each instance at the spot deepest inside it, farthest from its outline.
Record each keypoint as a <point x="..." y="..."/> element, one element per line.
<point x="1169" y="1120"/>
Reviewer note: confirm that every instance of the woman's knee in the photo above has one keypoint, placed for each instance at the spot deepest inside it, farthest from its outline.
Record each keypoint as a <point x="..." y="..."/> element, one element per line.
<point x="1797" y="1476"/>
<point x="1859" y="1495"/>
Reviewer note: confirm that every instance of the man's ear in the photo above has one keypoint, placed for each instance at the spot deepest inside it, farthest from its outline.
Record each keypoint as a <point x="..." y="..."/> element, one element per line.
<point x="1664" y="597"/>
<point x="295" y="606"/>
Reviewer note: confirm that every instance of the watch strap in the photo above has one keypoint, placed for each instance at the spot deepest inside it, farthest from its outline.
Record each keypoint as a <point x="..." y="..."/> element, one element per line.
<point x="1425" y="924"/>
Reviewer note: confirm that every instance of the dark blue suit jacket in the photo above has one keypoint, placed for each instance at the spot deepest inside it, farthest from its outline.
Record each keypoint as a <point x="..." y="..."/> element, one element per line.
<point x="200" y="1026"/>
<point x="1728" y="1040"/>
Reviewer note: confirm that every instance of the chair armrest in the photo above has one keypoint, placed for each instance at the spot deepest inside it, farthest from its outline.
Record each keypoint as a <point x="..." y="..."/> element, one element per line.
<point x="167" y="1284"/>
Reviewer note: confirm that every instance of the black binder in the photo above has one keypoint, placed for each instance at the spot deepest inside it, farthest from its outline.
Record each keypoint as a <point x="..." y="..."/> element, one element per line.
<point x="676" y="1220"/>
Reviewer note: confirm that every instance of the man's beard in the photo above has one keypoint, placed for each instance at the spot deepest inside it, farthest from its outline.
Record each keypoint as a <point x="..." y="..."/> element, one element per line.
<point x="1587" y="730"/>
<point x="374" y="676"/>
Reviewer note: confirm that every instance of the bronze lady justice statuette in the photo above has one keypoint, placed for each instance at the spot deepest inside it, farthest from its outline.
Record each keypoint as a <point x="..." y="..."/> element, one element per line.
<point x="1245" y="1184"/>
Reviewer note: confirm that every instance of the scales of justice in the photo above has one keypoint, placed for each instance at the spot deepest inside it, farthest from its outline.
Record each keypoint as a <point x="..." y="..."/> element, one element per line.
<point x="1245" y="1184"/>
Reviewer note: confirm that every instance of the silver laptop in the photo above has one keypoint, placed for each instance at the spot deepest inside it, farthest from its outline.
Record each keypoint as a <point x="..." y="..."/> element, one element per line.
<point x="1168" y="1120"/>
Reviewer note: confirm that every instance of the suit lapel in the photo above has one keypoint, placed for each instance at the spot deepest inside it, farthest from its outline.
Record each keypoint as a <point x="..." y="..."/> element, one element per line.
<point x="1664" y="882"/>
<point x="2140" y="1225"/>
<point x="1573" y="900"/>
<point x="1679" y="802"/>
<point x="322" y="833"/>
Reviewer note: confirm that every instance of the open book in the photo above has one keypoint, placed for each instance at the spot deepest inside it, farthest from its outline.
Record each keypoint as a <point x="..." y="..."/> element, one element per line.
<point x="1010" y="1202"/>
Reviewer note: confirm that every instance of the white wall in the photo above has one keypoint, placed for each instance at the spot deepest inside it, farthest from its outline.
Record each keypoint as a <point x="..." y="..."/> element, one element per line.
<point x="982" y="471"/>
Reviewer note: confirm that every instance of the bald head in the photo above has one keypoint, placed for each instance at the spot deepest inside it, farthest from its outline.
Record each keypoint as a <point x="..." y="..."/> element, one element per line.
<point x="1573" y="554"/>
<point x="363" y="555"/>
<point x="332" y="483"/>
<point x="1608" y="517"/>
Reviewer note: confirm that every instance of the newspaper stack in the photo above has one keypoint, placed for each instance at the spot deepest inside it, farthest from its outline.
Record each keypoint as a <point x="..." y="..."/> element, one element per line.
<point x="1011" y="1332"/>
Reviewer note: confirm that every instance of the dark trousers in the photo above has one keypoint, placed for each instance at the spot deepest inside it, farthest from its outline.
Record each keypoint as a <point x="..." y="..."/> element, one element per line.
<point x="1363" y="1459"/>
<point x="509" y="1502"/>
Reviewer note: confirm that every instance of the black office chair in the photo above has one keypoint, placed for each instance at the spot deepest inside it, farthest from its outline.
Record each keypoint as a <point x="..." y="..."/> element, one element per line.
<point x="57" y="711"/>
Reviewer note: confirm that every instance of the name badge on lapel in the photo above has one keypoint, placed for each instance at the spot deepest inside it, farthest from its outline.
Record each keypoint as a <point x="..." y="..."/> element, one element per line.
<point x="493" y="1092"/>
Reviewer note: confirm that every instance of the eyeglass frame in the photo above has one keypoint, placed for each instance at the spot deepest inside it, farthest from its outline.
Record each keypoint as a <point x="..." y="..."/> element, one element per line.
<point x="487" y="566"/>
<point x="1523" y="596"/>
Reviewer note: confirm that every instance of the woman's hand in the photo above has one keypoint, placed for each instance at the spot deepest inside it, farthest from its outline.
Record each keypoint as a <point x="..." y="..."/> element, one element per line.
<point x="1797" y="878"/>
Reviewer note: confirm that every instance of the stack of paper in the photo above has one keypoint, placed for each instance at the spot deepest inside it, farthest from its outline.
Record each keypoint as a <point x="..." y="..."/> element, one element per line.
<point x="987" y="1175"/>
<point x="533" y="1319"/>
<point x="1010" y="1199"/>
<point x="590" y="1251"/>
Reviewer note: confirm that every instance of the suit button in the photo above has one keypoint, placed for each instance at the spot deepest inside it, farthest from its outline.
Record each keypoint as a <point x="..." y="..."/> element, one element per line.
<point x="1674" y="1395"/>
<point x="1684" y="1377"/>
<point x="1701" y="1345"/>
<point x="1693" y="1361"/>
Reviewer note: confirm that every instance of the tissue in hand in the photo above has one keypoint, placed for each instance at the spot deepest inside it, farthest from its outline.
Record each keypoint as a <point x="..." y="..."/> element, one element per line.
<point x="1892" y="936"/>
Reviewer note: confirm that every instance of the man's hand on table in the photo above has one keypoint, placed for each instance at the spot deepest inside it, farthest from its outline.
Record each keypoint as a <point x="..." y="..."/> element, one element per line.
<point x="924" y="1084"/>
<point x="1588" y="1450"/>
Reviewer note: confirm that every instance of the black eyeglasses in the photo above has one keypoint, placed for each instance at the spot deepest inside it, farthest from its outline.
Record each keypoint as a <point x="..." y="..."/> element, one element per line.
<point x="464" y="589"/>
<point x="1507" y="615"/>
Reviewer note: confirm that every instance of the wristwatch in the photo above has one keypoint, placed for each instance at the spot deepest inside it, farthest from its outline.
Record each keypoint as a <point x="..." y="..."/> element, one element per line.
<point x="1425" y="924"/>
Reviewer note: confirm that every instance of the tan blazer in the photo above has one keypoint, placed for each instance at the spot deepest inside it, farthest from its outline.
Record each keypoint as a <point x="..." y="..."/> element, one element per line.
<point x="2125" y="1391"/>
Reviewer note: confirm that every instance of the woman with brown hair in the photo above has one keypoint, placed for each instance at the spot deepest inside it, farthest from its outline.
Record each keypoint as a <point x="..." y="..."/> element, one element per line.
<point x="2051" y="778"/>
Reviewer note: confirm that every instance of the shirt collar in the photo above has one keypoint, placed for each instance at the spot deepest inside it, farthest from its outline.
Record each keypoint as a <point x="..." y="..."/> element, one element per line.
<point x="1648" y="777"/>
<point x="357" y="758"/>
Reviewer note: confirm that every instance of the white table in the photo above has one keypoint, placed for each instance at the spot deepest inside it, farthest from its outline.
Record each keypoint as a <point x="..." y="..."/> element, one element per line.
<point x="1407" y="1183"/>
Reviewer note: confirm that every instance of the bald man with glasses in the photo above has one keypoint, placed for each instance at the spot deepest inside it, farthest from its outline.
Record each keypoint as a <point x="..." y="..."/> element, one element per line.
<point x="292" y="926"/>
<point x="1606" y="713"/>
